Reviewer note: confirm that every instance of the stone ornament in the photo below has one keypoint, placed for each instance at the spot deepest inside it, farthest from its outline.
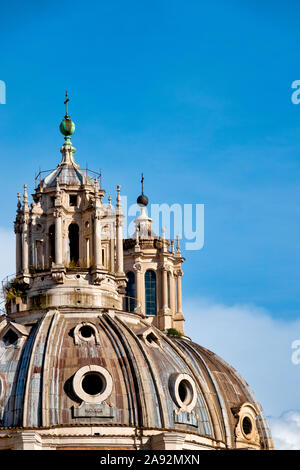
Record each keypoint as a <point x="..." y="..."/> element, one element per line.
<point x="137" y="267"/>
<point x="246" y="429"/>
<point x="149" y="336"/>
<point x="86" y="331"/>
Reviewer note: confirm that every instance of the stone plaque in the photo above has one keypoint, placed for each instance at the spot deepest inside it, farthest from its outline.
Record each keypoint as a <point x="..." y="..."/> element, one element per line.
<point x="185" y="418"/>
<point x="93" y="410"/>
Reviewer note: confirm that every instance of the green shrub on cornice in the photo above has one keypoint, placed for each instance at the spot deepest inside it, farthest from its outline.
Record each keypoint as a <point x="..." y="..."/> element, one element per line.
<point x="14" y="289"/>
<point x="173" y="333"/>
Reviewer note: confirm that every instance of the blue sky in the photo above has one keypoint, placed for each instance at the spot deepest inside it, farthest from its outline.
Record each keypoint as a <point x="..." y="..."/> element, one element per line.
<point x="197" y="95"/>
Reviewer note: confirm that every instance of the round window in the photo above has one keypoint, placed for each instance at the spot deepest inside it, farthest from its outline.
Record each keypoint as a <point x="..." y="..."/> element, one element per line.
<point x="86" y="331"/>
<point x="183" y="391"/>
<point x="92" y="384"/>
<point x="247" y="426"/>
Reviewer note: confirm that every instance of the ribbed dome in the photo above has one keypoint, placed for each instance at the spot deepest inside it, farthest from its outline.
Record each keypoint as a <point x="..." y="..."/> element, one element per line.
<point x="65" y="174"/>
<point x="151" y="381"/>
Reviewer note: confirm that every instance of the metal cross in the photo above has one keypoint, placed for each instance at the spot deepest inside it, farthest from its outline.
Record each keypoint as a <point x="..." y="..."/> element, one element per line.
<point x="142" y="181"/>
<point x="66" y="103"/>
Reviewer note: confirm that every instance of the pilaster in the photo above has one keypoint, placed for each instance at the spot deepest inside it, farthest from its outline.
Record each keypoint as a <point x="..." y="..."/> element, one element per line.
<point x="178" y="318"/>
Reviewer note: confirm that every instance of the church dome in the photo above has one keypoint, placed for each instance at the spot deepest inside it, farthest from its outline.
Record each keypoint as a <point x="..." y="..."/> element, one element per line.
<point x="93" y="353"/>
<point x="122" y="376"/>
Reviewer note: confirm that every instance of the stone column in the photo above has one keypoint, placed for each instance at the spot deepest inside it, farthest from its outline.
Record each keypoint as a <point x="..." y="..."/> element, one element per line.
<point x="119" y="241"/>
<point x="97" y="242"/>
<point x="112" y="249"/>
<point x="58" y="238"/>
<point x="165" y="316"/>
<point x="25" y="233"/>
<point x="119" y="236"/>
<point x="178" y="318"/>
<point x="18" y="250"/>
<point x="172" y="293"/>
<point x="164" y="285"/>
<point x="25" y="249"/>
<point x="139" y="288"/>
<point x="179" y="293"/>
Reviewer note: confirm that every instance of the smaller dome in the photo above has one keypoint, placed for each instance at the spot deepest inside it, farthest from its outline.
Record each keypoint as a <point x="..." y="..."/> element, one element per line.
<point x="67" y="126"/>
<point x="142" y="200"/>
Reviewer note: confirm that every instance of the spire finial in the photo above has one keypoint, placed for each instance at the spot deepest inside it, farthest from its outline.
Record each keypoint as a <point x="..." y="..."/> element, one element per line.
<point x="142" y="200"/>
<point x="66" y="103"/>
<point x="142" y="182"/>
<point x="67" y="126"/>
<point x="178" y="252"/>
<point x="25" y="196"/>
<point x="19" y="201"/>
<point x="118" y="196"/>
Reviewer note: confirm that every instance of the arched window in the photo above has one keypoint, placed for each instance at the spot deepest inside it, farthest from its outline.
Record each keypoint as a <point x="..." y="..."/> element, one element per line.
<point x="73" y="243"/>
<point x="52" y="244"/>
<point x="150" y="292"/>
<point x="130" y="292"/>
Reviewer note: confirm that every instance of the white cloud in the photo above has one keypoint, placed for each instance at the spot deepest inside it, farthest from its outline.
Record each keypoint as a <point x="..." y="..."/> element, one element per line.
<point x="259" y="346"/>
<point x="286" y="430"/>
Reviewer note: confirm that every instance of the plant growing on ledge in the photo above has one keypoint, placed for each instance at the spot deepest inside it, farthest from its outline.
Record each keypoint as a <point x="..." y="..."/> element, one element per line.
<point x="14" y="289"/>
<point x="73" y="264"/>
<point x="173" y="333"/>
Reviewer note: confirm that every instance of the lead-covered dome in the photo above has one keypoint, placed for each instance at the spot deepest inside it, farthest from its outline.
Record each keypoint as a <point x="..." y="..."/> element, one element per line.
<point x="65" y="372"/>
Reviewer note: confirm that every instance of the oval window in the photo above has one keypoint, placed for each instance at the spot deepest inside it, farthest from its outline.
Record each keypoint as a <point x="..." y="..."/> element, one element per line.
<point x="247" y="426"/>
<point x="183" y="391"/>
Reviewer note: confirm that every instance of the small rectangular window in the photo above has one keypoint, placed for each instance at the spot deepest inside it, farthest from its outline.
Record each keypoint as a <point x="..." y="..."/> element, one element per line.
<point x="73" y="200"/>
